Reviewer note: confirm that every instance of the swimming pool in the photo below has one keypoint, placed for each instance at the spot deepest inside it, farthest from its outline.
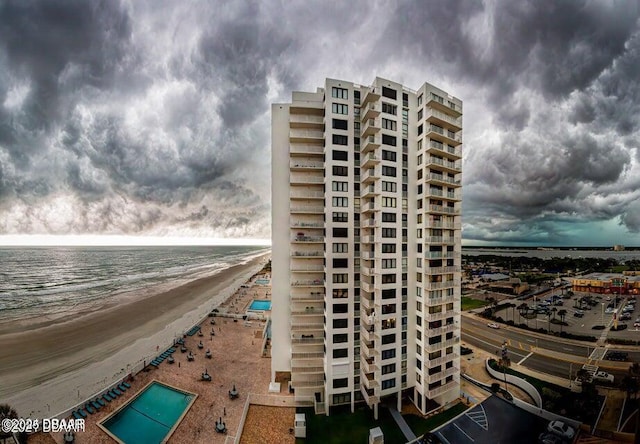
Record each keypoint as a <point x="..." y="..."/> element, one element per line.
<point x="260" y="305"/>
<point x="151" y="416"/>
<point x="262" y="281"/>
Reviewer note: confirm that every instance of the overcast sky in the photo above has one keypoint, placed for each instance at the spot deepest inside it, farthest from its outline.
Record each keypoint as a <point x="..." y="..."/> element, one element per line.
<point x="153" y="117"/>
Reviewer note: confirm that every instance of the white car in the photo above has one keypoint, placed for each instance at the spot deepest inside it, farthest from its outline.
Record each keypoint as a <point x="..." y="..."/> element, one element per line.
<point x="603" y="377"/>
<point x="493" y="325"/>
<point x="561" y="429"/>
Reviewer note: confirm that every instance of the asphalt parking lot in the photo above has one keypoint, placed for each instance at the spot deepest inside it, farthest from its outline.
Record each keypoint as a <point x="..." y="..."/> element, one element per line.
<point x="485" y="423"/>
<point x="593" y="315"/>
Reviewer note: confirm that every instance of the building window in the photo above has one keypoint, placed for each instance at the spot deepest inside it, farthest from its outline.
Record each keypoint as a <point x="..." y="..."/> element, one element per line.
<point x="389" y="339"/>
<point x="419" y="130"/>
<point x="340" y="140"/>
<point x="389" y="202"/>
<point x="340" y="124"/>
<point x="340" y="170"/>
<point x="389" y="93"/>
<point x="340" y="248"/>
<point x="388" y="278"/>
<point x="339" y="186"/>
<point x="340" y="278"/>
<point x="340" y="201"/>
<point x="389" y="217"/>
<point x="340" y="217"/>
<point x="389" y="232"/>
<point x="390" y="187"/>
<point x="389" y="109"/>
<point x="339" y="108"/>
<point x="388" y="171"/>
<point x="388" y="248"/>
<point x="340" y="353"/>
<point x="340" y="338"/>
<point x="340" y="232"/>
<point x="389" y="140"/>
<point x="339" y="93"/>
<point x="388" y="354"/>
<point x="341" y="308"/>
<point x="420" y="115"/>
<point x="389" y="368"/>
<point x="388" y="383"/>
<point x="340" y="323"/>
<point x="340" y="383"/>
<point x="341" y="263"/>
<point x="342" y="398"/>
<point x="340" y="155"/>
<point x="388" y="155"/>
<point x="388" y="263"/>
<point x="389" y="124"/>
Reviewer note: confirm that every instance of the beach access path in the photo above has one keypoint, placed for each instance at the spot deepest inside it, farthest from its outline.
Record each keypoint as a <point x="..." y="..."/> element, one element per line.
<point x="47" y="370"/>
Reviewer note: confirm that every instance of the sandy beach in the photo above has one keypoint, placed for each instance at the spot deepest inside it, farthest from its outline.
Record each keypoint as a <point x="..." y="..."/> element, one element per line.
<point x="47" y="370"/>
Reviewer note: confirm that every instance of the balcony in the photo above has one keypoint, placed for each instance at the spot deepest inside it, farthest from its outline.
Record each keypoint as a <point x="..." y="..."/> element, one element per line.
<point x="303" y="355"/>
<point x="369" y="399"/>
<point x="369" y="239"/>
<point x="441" y="361"/>
<point x="370" y="143"/>
<point x="369" y="94"/>
<point x="444" y="240"/>
<point x="308" y="384"/>
<point x="432" y="317"/>
<point x="312" y="296"/>
<point x="442" y="389"/>
<point x="306" y="136"/>
<point x="432" y="255"/>
<point x="366" y="286"/>
<point x="442" y="135"/>
<point x="302" y="224"/>
<point x="370" y="223"/>
<point x="306" y="179"/>
<point x="447" y="106"/>
<point x="308" y="283"/>
<point x="441" y="375"/>
<point x="370" y="174"/>
<point x="444" y="210"/>
<point x="301" y="149"/>
<point x="369" y="380"/>
<point x="441" y="270"/>
<point x="430" y="348"/>
<point x="370" y="190"/>
<point x="307" y="341"/>
<point x="370" y="127"/>
<point x="307" y="370"/>
<point x="306" y="121"/>
<point x="369" y="207"/>
<point x="306" y="209"/>
<point x="444" y="165"/>
<point x="441" y="179"/>
<point x="306" y="194"/>
<point x="369" y="366"/>
<point x="366" y="302"/>
<point x="430" y="332"/>
<point x="442" y="149"/>
<point x="444" y="120"/>
<point x="306" y="166"/>
<point x="440" y="300"/>
<point x="369" y="160"/>
<point x="308" y="325"/>
<point x="447" y="225"/>
<point x="368" y="350"/>
<point x="308" y="240"/>
<point x="368" y="255"/>
<point x="369" y="334"/>
<point x="441" y="285"/>
<point x="370" y="111"/>
<point x="307" y="254"/>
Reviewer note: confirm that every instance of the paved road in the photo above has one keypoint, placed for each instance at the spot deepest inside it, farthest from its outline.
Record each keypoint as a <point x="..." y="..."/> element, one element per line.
<point x="531" y="351"/>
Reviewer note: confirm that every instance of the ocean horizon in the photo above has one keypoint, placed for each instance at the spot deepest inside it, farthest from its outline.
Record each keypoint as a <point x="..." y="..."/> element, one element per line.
<point x="40" y="283"/>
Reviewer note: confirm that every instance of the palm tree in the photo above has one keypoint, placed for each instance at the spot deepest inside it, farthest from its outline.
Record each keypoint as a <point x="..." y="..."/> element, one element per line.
<point x="562" y="313"/>
<point x="6" y="412"/>
<point x="523" y="309"/>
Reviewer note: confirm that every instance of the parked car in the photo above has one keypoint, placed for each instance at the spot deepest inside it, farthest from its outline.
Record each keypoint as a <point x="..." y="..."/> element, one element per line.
<point x="636" y="324"/>
<point x="603" y="377"/>
<point x="625" y="316"/>
<point x="548" y="438"/>
<point x="493" y="325"/>
<point x="615" y="355"/>
<point x="465" y="350"/>
<point x="561" y="429"/>
<point x="579" y="313"/>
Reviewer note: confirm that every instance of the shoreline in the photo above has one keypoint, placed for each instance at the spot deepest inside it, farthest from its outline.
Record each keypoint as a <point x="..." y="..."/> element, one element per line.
<point x="48" y="369"/>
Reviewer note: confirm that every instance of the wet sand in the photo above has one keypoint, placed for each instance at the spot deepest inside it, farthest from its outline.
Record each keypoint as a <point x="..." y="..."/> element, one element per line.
<point x="48" y="369"/>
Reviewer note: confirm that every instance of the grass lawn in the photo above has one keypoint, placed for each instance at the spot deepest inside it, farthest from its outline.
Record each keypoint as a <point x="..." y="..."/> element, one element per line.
<point x="420" y="425"/>
<point x="470" y="303"/>
<point x="344" y="427"/>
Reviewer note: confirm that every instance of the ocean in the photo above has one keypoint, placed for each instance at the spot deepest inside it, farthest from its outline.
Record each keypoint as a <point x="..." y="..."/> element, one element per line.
<point x="620" y="256"/>
<point x="40" y="283"/>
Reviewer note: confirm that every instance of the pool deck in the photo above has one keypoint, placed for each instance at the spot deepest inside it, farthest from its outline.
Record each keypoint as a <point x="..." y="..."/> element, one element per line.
<point x="237" y="359"/>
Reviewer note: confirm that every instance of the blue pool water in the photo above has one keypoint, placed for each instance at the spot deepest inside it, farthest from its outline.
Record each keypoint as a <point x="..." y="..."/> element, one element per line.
<point x="262" y="281"/>
<point x="150" y="416"/>
<point x="260" y="305"/>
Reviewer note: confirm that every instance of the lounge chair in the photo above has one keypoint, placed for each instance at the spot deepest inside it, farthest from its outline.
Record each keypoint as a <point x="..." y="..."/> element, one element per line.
<point x="122" y="387"/>
<point x="77" y="415"/>
<point x="171" y="360"/>
<point x="183" y="349"/>
<point x="95" y="405"/>
<point x="107" y="397"/>
<point x="190" y="357"/>
<point x="127" y="385"/>
<point x="113" y="394"/>
<point x="89" y="409"/>
<point x="82" y="413"/>
<point x="117" y="392"/>
<point x="101" y="402"/>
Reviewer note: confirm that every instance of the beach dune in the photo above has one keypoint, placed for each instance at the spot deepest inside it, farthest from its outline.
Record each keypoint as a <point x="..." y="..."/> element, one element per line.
<point x="48" y="369"/>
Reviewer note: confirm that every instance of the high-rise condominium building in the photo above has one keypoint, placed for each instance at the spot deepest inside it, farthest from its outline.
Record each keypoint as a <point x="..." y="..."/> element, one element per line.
<point x="366" y="193"/>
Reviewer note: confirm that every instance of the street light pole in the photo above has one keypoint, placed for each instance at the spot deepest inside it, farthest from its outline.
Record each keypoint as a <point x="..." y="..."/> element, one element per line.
<point x="602" y="313"/>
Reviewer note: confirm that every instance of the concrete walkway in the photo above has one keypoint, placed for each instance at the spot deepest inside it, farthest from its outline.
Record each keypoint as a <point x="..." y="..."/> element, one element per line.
<point x="406" y="430"/>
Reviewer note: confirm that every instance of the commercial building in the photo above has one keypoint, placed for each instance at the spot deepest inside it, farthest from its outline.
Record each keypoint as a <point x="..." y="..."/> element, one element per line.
<point x="366" y="198"/>
<point x="608" y="283"/>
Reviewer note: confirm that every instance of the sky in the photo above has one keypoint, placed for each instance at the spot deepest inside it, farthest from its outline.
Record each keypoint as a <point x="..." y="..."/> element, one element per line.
<point x="152" y="118"/>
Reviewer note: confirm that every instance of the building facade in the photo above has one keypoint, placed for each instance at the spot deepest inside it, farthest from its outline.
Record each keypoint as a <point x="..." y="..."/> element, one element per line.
<point x="366" y="270"/>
